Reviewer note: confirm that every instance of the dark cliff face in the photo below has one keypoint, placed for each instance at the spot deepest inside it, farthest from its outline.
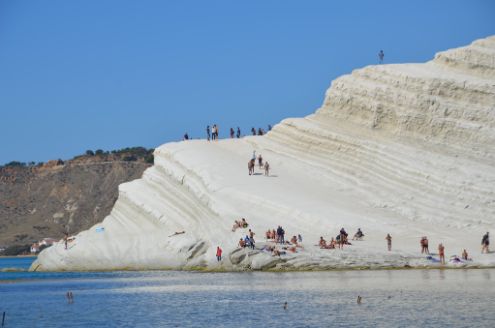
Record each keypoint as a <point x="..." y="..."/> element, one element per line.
<point x="47" y="200"/>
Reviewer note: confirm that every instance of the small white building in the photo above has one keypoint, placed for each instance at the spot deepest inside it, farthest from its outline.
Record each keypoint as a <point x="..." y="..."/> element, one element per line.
<point x="35" y="248"/>
<point x="47" y="242"/>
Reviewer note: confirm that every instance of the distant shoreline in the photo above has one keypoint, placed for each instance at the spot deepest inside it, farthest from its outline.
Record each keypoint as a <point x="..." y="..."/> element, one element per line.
<point x="16" y="256"/>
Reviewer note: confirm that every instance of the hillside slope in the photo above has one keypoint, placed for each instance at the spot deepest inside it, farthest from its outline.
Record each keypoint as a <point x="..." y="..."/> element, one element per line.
<point x="47" y="200"/>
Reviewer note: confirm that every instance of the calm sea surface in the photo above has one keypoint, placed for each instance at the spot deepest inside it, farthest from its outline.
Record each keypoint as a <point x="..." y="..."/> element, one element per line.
<point x="412" y="298"/>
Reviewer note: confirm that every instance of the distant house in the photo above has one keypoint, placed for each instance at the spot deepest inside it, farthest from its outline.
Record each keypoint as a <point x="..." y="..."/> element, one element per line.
<point x="35" y="248"/>
<point x="47" y="242"/>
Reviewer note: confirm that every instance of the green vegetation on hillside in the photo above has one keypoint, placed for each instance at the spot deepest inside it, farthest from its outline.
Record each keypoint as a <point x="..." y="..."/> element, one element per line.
<point x="130" y="154"/>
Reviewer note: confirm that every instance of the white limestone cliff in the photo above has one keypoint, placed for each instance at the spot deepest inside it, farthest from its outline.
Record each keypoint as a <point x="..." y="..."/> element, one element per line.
<point x="405" y="149"/>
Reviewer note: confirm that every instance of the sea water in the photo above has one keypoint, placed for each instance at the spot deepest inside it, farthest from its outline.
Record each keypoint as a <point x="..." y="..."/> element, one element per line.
<point x="402" y="298"/>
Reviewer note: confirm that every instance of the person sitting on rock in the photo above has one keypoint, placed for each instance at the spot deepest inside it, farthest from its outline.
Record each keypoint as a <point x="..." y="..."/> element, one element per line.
<point x="247" y="241"/>
<point x="242" y="244"/>
<point x="358" y="235"/>
<point x="322" y="243"/>
<point x="293" y="240"/>
<point x="237" y="224"/>
<point x="268" y="234"/>
<point x="267" y="248"/>
<point x="332" y="244"/>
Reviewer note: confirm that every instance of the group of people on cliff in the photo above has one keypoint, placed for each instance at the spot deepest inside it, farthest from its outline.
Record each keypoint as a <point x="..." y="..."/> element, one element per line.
<point x="277" y="236"/>
<point x="261" y="165"/>
<point x="213" y="132"/>
<point x="341" y="240"/>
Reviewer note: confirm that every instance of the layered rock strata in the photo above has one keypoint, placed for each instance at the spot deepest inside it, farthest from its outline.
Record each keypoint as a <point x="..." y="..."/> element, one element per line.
<point x="405" y="149"/>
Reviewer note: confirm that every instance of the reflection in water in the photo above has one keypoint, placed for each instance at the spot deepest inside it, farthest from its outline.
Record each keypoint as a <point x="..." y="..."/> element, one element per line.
<point x="425" y="274"/>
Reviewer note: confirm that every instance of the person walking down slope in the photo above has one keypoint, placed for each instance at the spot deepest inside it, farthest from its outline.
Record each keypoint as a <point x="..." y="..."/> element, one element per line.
<point x="232" y="133"/>
<point x="267" y="169"/>
<point x="219" y="254"/>
<point x="238" y="134"/>
<point x="389" y="242"/>
<point x="485" y="242"/>
<point x="260" y="161"/>
<point x="66" y="239"/>
<point x="251" y="165"/>
<point x="208" y="132"/>
<point x="381" y="55"/>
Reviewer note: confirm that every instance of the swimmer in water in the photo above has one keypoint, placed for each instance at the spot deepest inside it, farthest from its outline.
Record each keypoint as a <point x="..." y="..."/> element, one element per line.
<point x="285" y="306"/>
<point x="70" y="297"/>
<point x="359" y="299"/>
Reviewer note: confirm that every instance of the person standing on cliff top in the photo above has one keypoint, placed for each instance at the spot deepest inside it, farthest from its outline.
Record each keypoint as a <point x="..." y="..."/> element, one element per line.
<point x="381" y="55"/>
<point x="231" y="133"/>
<point x="238" y="133"/>
<point x="208" y="132"/>
<point x="214" y="132"/>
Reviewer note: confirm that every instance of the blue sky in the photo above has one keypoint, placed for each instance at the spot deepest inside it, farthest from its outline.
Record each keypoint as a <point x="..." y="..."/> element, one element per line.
<point x="78" y="75"/>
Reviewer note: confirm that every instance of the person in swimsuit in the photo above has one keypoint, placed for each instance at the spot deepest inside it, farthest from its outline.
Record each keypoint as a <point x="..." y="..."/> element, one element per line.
<point x="389" y="242"/>
<point x="441" y="253"/>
